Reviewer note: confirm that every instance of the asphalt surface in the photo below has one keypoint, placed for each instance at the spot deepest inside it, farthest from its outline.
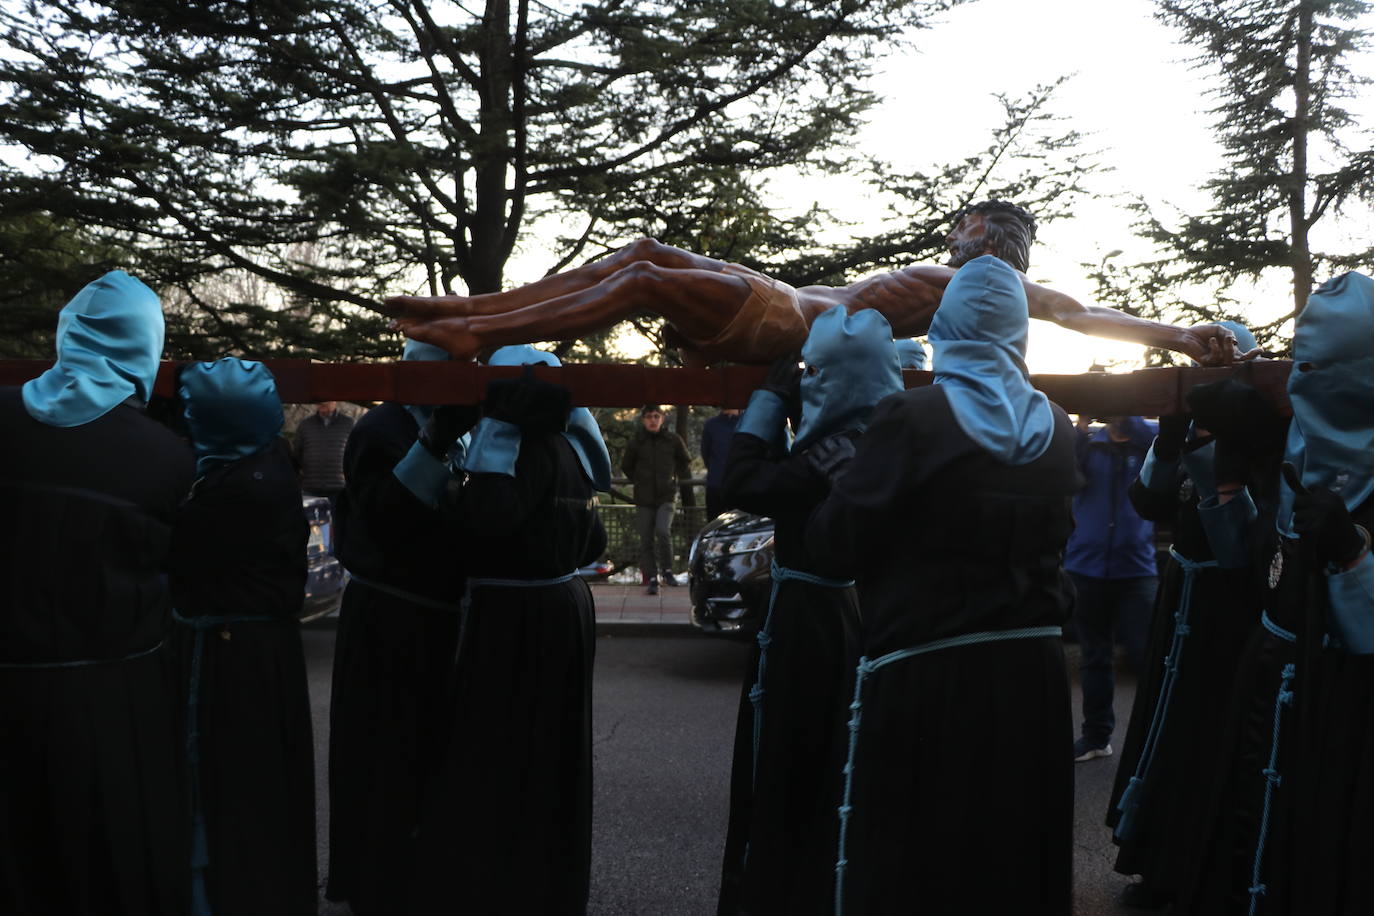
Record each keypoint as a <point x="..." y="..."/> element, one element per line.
<point x="664" y="714"/>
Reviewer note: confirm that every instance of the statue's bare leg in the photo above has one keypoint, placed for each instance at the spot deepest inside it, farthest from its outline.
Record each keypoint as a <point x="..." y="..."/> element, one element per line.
<point x="552" y="286"/>
<point x="698" y="303"/>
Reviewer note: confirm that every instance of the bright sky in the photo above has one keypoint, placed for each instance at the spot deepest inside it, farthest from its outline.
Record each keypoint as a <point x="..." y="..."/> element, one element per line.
<point x="1133" y="92"/>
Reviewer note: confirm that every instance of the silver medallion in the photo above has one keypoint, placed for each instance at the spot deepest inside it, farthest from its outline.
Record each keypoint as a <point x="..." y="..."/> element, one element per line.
<point x="1276" y="568"/>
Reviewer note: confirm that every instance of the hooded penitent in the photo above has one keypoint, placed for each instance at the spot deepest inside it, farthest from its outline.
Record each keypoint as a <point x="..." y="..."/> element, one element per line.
<point x="582" y="432"/>
<point x="109" y="341"/>
<point x="851" y="365"/>
<point x="1200" y="460"/>
<point x="1331" y="438"/>
<point x="232" y="410"/>
<point x="979" y="337"/>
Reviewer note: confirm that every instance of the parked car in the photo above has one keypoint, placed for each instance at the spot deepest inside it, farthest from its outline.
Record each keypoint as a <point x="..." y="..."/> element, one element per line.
<point x="728" y="573"/>
<point x="325" y="577"/>
<point x="597" y="571"/>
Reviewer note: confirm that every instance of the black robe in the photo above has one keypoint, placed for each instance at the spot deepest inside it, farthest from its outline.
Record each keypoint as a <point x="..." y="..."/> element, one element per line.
<point x="507" y="824"/>
<point x="786" y="820"/>
<point x="1260" y="734"/>
<point x="1333" y="773"/>
<point x="962" y="789"/>
<point x="392" y="660"/>
<point x="1172" y="798"/>
<point x="92" y="811"/>
<point x="239" y="551"/>
<point x="1318" y="840"/>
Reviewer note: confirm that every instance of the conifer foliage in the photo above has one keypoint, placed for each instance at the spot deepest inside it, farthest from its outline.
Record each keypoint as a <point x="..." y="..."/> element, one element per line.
<point x="340" y="150"/>
<point x="1293" y="159"/>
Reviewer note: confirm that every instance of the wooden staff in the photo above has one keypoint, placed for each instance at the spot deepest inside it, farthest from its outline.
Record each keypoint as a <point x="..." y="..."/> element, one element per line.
<point x="1145" y="392"/>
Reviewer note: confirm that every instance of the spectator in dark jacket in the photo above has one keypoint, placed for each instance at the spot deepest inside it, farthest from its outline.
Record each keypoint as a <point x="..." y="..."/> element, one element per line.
<point x="654" y="461"/>
<point x="715" y="446"/>
<point x="1111" y="559"/>
<point x="318" y="450"/>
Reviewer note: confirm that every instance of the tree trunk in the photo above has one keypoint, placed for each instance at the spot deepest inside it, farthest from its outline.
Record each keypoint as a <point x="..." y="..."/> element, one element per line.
<point x="1297" y="192"/>
<point x="491" y="157"/>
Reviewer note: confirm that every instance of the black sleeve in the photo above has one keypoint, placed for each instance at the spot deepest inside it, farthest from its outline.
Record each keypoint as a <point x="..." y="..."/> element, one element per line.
<point x="1153" y="505"/>
<point x="760" y="481"/>
<point x="892" y="461"/>
<point x="596" y="542"/>
<point x="630" y="459"/>
<point x="375" y="495"/>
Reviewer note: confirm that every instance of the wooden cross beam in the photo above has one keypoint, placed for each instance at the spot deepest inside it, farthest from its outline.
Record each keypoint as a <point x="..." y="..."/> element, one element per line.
<point x="1145" y="392"/>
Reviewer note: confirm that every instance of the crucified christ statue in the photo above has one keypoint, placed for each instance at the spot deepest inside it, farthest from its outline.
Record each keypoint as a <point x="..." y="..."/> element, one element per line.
<point x="724" y="311"/>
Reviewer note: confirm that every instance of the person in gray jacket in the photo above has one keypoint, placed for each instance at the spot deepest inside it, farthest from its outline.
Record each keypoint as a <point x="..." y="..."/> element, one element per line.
<point x="318" y="448"/>
<point x="654" y="461"/>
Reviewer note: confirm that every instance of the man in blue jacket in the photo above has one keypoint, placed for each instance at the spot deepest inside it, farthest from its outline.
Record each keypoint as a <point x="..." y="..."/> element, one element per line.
<point x="1111" y="559"/>
<point x="715" y="446"/>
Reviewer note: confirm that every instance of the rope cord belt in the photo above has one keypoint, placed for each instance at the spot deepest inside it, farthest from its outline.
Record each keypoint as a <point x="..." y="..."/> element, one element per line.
<point x="780" y="574"/>
<point x="393" y="591"/>
<point x="1280" y="632"/>
<point x="1128" y="806"/>
<point x="868" y="666"/>
<point x="1272" y="780"/>
<point x="200" y="846"/>
<point x="475" y="582"/>
<point x="79" y="663"/>
<point x="1287" y="635"/>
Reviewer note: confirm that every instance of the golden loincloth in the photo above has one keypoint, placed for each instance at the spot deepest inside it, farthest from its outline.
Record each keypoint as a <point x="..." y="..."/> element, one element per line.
<point x="767" y="325"/>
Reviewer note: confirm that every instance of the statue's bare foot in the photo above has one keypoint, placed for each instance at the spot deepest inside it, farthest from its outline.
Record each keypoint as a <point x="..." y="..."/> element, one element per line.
<point x="427" y="307"/>
<point x="450" y="333"/>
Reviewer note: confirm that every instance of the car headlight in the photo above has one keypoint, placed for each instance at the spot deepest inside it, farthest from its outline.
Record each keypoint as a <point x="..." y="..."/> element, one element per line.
<point x="752" y="542"/>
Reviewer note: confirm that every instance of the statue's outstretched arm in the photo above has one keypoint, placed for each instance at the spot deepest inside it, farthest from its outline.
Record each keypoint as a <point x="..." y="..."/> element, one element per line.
<point x="1208" y="344"/>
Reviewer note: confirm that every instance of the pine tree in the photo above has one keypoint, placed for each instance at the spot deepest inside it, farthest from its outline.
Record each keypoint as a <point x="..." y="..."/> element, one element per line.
<point x="1283" y="77"/>
<point x="406" y="145"/>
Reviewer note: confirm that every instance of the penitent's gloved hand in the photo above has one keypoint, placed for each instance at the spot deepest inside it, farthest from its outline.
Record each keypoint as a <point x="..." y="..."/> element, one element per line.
<point x="1173" y="429"/>
<point x="831" y="455"/>
<point x="1234" y="410"/>
<point x="1321" y="516"/>
<point x="784" y="380"/>
<point x="528" y="403"/>
<point x="445" y="425"/>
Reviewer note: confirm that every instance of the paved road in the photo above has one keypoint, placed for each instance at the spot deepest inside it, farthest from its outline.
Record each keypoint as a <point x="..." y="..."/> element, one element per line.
<point x="664" y="722"/>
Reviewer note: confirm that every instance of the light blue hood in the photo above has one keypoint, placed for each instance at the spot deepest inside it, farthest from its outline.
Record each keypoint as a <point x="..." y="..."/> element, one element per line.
<point x="109" y="342"/>
<point x="582" y="433"/>
<point x="232" y="410"/>
<point x="979" y="337"/>
<point x="1331" y="438"/>
<point x="1245" y="341"/>
<point x="910" y="353"/>
<point x="851" y="365"/>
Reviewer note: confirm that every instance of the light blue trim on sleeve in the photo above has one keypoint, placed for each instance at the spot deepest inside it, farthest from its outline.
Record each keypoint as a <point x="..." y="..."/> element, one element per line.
<point x="495" y="446"/>
<point x="1352" y="606"/>
<point x="1157" y="474"/>
<point x="1225" y="527"/>
<point x="765" y="418"/>
<point x="423" y="474"/>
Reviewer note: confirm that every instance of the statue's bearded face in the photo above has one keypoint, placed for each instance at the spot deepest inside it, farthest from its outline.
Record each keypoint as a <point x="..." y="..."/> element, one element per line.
<point x="967" y="241"/>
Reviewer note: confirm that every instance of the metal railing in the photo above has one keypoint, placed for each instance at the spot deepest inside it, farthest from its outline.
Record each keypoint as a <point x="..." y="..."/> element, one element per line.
<point x="622" y="533"/>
